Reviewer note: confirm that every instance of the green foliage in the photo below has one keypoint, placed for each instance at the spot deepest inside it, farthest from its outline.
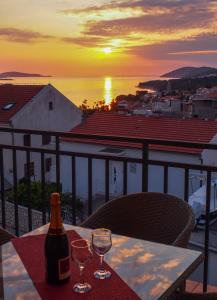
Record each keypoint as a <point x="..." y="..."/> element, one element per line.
<point x="36" y="195"/>
<point x="66" y="200"/>
<point x="97" y="106"/>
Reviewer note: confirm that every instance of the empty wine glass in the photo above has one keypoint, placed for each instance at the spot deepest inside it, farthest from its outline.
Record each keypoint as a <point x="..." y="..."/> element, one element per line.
<point x="81" y="253"/>
<point x="101" y="244"/>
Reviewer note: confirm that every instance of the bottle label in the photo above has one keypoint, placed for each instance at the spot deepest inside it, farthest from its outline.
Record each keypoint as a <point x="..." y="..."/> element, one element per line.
<point x="64" y="268"/>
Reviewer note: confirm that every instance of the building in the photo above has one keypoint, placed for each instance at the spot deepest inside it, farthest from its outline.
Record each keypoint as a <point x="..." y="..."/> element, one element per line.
<point x="173" y="106"/>
<point x="204" y="103"/>
<point x="40" y="107"/>
<point x="151" y="127"/>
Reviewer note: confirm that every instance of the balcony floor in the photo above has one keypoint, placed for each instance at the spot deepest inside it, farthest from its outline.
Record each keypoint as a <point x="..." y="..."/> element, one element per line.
<point x="197" y="287"/>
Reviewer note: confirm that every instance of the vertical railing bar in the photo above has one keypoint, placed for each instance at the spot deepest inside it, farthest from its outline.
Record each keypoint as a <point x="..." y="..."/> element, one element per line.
<point x="145" y="167"/>
<point x="73" y="190"/>
<point x="29" y="196"/>
<point x="16" y="216"/>
<point x="107" y="180"/>
<point x="57" y="163"/>
<point x="90" y="196"/>
<point x="186" y="185"/>
<point x="165" y="179"/>
<point x="43" y="198"/>
<point x="125" y="178"/>
<point x="2" y="187"/>
<point x="206" y="248"/>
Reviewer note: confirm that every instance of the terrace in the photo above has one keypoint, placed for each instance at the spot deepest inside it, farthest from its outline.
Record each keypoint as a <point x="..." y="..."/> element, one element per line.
<point x="200" y="239"/>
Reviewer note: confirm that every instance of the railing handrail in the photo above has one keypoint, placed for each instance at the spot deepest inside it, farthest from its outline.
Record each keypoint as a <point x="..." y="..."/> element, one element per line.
<point x="120" y="138"/>
<point x="174" y="164"/>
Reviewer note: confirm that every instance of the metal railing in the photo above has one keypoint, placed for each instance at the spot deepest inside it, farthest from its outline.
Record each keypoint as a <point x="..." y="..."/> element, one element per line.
<point x="145" y="162"/>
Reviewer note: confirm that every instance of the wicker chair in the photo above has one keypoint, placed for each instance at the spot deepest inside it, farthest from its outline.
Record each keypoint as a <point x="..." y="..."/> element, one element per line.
<point x="155" y="217"/>
<point x="5" y="236"/>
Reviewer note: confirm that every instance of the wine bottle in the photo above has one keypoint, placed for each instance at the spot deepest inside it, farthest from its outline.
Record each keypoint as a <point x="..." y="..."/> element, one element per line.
<point x="57" y="259"/>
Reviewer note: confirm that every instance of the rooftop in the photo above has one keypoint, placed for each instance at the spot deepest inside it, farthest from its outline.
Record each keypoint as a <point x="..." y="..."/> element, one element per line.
<point x="152" y="127"/>
<point x="14" y="97"/>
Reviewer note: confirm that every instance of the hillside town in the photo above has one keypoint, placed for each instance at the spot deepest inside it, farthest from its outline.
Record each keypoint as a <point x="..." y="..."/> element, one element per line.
<point x="184" y="104"/>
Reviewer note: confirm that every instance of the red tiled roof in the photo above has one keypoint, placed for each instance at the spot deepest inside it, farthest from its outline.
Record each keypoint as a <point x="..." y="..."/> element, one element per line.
<point x="18" y="94"/>
<point x="212" y="95"/>
<point x="166" y="128"/>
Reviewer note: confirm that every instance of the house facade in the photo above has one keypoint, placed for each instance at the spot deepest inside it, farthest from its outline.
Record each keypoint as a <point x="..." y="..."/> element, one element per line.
<point x="204" y="103"/>
<point x="33" y="107"/>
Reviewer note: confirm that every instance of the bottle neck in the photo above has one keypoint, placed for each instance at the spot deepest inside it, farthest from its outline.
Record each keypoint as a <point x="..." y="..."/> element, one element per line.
<point x="56" y="225"/>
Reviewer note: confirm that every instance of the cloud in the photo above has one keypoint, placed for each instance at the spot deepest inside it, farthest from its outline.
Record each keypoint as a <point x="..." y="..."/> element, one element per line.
<point x="167" y="18"/>
<point x="126" y="18"/>
<point x="100" y="8"/>
<point x="83" y="40"/>
<point x="148" y="6"/>
<point x="202" y="49"/>
<point x="155" y="29"/>
<point x="194" y="52"/>
<point x="21" y="36"/>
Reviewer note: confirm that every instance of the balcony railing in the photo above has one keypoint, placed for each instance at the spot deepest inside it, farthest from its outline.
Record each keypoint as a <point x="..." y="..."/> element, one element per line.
<point x="9" y="145"/>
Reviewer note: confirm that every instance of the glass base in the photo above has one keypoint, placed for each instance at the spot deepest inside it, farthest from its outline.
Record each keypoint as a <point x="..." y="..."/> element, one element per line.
<point x="102" y="274"/>
<point x="82" y="288"/>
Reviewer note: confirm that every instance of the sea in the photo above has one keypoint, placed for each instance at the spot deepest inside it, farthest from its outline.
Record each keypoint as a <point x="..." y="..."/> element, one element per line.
<point x="92" y="89"/>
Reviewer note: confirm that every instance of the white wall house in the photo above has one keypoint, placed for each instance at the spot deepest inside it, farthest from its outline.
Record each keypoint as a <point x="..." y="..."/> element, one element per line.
<point x="210" y="156"/>
<point x="134" y="126"/>
<point x="204" y="103"/>
<point x="33" y="107"/>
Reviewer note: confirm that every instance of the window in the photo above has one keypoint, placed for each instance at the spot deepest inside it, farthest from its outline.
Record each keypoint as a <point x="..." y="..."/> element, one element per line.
<point x="29" y="167"/>
<point x="111" y="150"/>
<point x="48" y="163"/>
<point x="46" y="139"/>
<point x="8" y="106"/>
<point x="27" y="140"/>
<point x="133" y="168"/>
<point x="50" y="105"/>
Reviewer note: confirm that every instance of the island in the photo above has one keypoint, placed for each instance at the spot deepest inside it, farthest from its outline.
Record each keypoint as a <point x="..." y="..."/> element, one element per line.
<point x="186" y="78"/>
<point x="6" y="75"/>
<point x="191" y="72"/>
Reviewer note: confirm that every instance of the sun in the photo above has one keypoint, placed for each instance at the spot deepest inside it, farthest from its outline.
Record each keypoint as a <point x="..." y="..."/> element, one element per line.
<point x="107" y="50"/>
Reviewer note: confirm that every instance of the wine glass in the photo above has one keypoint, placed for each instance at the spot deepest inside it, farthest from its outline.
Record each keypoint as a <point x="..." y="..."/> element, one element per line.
<point x="101" y="244"/>
<point x="81" y="253"/>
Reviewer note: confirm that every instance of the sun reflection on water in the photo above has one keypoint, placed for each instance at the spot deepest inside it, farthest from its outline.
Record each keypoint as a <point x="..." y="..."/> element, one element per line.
<point x="108" y="90"/>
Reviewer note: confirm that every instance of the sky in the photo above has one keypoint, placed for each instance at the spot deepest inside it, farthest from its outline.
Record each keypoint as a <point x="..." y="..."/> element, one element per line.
<point x="106" y="38"/>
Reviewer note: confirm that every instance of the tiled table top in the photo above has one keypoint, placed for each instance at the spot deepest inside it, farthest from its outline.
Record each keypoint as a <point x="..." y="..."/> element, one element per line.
<point x="152" y="270"/>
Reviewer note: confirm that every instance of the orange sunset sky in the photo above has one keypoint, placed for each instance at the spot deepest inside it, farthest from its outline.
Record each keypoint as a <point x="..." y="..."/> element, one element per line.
<point x="104" y="37"/>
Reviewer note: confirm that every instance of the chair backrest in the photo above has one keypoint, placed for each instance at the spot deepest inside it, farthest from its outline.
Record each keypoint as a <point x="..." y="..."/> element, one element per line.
<point x="155" y="217"/>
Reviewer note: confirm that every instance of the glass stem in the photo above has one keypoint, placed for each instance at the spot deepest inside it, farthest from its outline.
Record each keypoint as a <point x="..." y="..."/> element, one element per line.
<point x="101" y="262"/>
<point x="81" y="268"/>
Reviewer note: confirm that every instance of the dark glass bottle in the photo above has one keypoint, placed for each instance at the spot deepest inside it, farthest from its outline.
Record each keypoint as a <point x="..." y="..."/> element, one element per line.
<point x="57" y="259"/>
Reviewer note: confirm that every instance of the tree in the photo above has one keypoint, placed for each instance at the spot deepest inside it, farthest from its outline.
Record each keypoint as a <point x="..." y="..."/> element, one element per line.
<point x="86" y="110"/>
<point x="36" y="195"/>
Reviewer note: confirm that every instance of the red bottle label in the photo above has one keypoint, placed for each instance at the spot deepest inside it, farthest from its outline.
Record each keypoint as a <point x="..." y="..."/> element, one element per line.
<point x="64" y="268"/>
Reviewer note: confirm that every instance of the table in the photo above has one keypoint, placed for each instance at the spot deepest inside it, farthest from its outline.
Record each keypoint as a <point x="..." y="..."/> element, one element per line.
<point x="152" y="270"/>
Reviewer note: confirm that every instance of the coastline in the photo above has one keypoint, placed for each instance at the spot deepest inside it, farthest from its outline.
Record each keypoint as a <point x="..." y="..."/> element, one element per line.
<point x="186" y="83"/>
